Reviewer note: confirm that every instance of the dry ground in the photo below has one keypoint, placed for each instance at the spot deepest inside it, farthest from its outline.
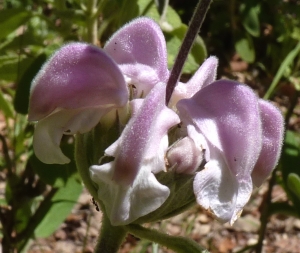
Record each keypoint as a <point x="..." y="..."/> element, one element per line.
<point x="79" y="231"/>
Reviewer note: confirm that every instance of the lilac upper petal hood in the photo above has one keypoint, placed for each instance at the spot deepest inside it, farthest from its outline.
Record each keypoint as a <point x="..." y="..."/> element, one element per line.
<point x="227" y="114"/>
<point x="272" y="127"/>
<point x="139" y="48"/>
<point x="77" y="76"/>
<point x="74" y="89"/>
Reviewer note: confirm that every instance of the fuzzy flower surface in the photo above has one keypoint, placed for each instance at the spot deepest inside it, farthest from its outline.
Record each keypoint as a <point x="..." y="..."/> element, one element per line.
<point x="225" y="136"/>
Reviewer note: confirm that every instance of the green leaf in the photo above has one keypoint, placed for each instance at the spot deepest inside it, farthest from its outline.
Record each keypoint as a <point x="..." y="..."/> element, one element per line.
<point x="250" y="19"/>
<point x="6" y="107"/>
<point x="148" y="8"/>
<point x="173" y="19"/>
<point x="23" y="215"/>
<point x="290" y="164"/>
<point x="293" y="182"/>
<point x="55" y="175"/>
<point x="196" y="56"/>
<point x="291" y="154"/>
<point x="11" y="19"/>
<point x="21" y="100"/>
<point x="55" y="210"/>
<point x="284" y="65"/>
<point x="12" y="67"/>
<point x="245" y="48"/>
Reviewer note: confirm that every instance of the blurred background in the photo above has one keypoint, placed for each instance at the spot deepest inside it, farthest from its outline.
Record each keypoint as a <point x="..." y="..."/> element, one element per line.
<point x="44" y="208"/>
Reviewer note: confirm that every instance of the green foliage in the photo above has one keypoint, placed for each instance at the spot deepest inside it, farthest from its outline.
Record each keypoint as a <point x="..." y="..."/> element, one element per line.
<point x="11" y="19"/>
<point x="21" y="101"/>
<point x="293" y="182"/>
<point x="286" y="63"/>
<point x="6" y="107"/>
<point x="290" y="164"/>
<point x="54" y="210"/>
<point x="261" y="32"/>
<point x="175" y="31"/>
<point x="250" y="17"/>
<point x="196" y="56"/>
<point x="55" y="175"/>
<point x="245" y="48"/>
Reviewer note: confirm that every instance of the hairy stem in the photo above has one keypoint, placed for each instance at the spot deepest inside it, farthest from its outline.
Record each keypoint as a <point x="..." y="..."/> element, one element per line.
<point x="92" y="22"/>
<point x="110" y="238"/>
<point x="193" y="30"/>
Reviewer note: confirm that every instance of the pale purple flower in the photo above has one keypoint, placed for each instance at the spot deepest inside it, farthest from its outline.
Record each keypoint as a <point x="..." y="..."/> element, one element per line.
<point x="238" y="129"/>
<point x="224" y="125"/>
<point x="127" y="185"/>
<point x="81" y="83"/>
<point x="272" y="129"/>
<point x="74" y="89"/>
<point x="139" y="49"/>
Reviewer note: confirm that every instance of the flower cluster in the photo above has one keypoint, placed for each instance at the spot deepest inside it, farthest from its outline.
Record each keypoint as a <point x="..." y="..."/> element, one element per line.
<point x="222" y="133"/>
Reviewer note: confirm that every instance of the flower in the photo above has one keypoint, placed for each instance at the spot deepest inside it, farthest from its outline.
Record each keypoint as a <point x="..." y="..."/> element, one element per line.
<point x="222" y="126"/>
<point x="73" y="90"/>
<point x="237" y="130"/>
<point x="139" y="49"/>
<point x="127" y="185"/>
<point x="80" y="83"/>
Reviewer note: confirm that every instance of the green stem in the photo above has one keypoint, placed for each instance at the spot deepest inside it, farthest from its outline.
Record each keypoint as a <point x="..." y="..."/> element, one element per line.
<point x="193" y="30"/>
<point x="177" y="243"/>
<point x="92" y="22"/>
<point x="164" y="11"/>
<point x="110" y="238"/>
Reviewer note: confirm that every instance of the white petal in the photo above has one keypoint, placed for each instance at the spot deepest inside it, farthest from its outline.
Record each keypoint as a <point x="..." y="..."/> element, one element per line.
<point x="220" y="192"/>
<point x="125" y="204"/>
<point x="49" y="131"/>
<point x="216" y="190"/>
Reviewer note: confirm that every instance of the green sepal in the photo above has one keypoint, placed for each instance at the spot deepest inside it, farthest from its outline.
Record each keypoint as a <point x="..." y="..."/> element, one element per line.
<point x="90" y="147"/>
<point x="181" y="197"/>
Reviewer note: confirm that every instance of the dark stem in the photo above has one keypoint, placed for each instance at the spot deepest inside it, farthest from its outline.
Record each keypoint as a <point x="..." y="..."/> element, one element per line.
<point x="193" y="30"/>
